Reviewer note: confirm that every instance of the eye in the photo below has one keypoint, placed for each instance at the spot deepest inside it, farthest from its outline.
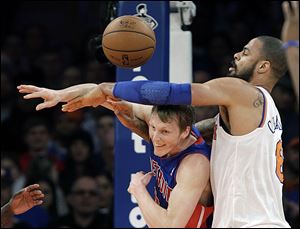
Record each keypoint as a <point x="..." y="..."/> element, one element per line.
<point x="165" y="132"/>
<point x="245" y="52"/>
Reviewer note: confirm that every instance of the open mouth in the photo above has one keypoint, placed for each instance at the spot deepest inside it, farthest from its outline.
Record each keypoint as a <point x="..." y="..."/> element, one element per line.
<point x="232" y="66"/>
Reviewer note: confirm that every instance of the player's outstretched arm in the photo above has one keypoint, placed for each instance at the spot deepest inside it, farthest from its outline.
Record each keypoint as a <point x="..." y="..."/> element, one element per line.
<point x="224" y="91"/>
<point x="53" y="97"/>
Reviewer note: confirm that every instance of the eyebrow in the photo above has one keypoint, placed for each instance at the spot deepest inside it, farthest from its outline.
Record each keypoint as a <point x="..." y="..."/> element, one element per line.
<point x="247" y="49"/>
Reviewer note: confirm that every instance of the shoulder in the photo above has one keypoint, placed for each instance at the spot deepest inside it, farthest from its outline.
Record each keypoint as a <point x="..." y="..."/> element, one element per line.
<point x="233" y="82"/>
<point x="193" y="163"/>
<point x="194" y="159"/>
<point x="193" y="168"/>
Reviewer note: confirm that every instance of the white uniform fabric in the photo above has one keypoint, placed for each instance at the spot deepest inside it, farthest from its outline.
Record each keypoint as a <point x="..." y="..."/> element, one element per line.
<point x="247" y="191"/>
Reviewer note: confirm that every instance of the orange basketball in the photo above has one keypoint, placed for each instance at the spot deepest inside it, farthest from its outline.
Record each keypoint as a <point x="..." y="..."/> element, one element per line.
<point x="128" y="42"/>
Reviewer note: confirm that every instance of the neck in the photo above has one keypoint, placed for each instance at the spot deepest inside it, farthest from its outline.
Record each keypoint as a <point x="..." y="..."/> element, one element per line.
<point x="268" y="85"/>
<point x="185" y="143"/>
<point x="83" y="219"/>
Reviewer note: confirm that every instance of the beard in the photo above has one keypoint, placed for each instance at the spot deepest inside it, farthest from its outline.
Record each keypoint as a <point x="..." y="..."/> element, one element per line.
<point x="245" y="74"/>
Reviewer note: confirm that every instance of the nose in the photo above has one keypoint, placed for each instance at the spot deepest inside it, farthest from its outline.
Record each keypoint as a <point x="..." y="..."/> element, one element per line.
<point x="236" y="56"/>
<point x="156" y="137"/>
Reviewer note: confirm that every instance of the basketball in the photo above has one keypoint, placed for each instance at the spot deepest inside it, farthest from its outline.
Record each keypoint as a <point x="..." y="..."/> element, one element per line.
<point x="128" y="42"/>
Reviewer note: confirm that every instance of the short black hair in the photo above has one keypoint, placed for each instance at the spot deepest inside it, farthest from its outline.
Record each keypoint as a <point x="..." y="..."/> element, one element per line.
<point x="273" y="51"/>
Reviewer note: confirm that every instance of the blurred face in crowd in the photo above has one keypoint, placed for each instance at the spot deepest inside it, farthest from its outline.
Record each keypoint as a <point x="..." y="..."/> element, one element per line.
<point x="65" y="125"/>
<point x="106" y="131"/>
<point x="37" y="138"/>
<point x="80" y="151"/>
<point x="8" y="165"/>
<point x="245" y="61"/>
<point x="84" y="196"/>
<point x="105" y="190"/>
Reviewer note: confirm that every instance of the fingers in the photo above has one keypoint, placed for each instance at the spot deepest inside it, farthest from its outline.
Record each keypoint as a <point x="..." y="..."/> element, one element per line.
<point x="37" y="202"/>
<point x="46" y="104"/>
<point x="147" y="177"/>
<point x="38" y="94"/>
<point x="27" y="88"/>
<point x="32" y="187"/>
<point x="290" y="11"/>
<point x="285" y="9"/>
<point x="73" y="105"/>
<point x="295" y="6"/>
<point x="35" y="193"/>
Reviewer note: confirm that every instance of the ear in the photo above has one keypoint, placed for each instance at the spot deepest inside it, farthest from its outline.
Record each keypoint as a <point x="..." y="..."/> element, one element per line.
<point x="264" y="66"/>
<point x="186" y="132"/>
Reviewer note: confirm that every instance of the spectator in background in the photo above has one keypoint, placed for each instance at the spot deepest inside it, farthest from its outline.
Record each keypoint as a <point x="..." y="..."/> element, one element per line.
<point x="285" y="100"/>
<point x="71" y="76"/>
<point x="52" y="65"/>
<point x="106" y="194"/>
<point x="80" y="160"/>
<point x="82" y="199"/>
<point x="11" y="168"/>
<point x="105" y="123"/>
<point x="37" y="139"/>
<point x="65" y="125"/>
<point x="290" y="35"/>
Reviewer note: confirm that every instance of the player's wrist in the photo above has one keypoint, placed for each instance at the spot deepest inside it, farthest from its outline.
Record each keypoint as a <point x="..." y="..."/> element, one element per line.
<point x="9" y="208"/>
<point x="290" y="43"/>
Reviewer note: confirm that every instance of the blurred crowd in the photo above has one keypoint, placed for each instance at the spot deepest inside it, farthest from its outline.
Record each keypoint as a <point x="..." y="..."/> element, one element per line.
<point x="71" y="155"/>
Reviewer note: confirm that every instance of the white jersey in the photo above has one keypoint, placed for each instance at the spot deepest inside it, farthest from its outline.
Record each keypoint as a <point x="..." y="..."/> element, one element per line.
<point x="246" y="174"/>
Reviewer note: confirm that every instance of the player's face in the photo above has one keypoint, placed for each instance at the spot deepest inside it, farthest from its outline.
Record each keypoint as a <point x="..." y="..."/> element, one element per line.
<point x="245" y="61"/>
<point x="166" y="137"/>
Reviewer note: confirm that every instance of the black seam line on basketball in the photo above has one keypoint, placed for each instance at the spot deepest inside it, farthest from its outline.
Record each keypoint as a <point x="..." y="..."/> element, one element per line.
<point x="128" y="51"/>
<point x="129" y="32"/>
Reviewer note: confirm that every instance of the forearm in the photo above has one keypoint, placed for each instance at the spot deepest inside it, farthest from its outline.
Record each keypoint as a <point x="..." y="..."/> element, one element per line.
<point x="154" y="215"/>
<point x="6" y="215"/>
<point x="206" y="128"/>
<point x="139" y="127"/>
<point x="72" y="92"/>
<point x="292" y="54"/>
<point x="153" y="92"/>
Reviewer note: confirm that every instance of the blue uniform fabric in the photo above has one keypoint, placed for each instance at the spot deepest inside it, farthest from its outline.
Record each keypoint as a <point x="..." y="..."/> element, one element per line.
<point x="153" y="92"/>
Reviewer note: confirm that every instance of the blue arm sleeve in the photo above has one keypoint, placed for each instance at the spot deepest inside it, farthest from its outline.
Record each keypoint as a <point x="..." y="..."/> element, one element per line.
<point x="153" y="92"/>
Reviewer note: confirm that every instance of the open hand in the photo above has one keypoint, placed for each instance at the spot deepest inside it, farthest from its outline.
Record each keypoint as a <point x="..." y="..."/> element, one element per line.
<point x="51" y="97"/>
<point x="26" y="198"/>
<point x="290" y="29"/>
